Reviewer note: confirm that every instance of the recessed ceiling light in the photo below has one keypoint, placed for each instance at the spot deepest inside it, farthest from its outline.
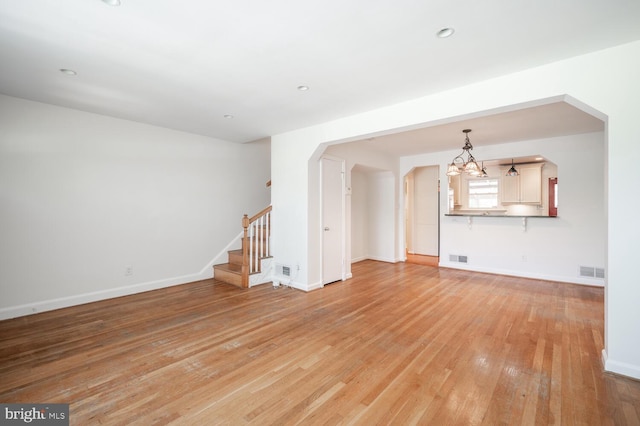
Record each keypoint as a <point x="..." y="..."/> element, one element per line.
<point x="445" y="32"/>
<point x="303" y="88"/>
<point x="228" y="116"/>
<point x="68" y="71"/>
<point x="112" y="2"/>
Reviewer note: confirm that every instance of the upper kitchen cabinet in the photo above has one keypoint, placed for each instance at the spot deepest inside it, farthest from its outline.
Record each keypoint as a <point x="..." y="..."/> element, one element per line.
<point x="525" y="188"/>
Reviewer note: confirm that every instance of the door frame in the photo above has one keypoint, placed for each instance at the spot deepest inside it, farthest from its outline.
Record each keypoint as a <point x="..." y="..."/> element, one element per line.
<point x="342" y="217"/>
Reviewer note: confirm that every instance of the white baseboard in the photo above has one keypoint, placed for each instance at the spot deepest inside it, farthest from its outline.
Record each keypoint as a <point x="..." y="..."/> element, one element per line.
<point x="296" y="285"/>
<point x="314" y="286"/>
<point x="261" y="283"/>
<point x="621" y="368"/>
<point x="383" y="259"/>
<point x="81" y="299"/>
<point x="524" y="274"/>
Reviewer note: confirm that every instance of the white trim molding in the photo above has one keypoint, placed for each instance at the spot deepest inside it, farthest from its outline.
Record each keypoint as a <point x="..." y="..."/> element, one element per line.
<point x="621" y="368"/>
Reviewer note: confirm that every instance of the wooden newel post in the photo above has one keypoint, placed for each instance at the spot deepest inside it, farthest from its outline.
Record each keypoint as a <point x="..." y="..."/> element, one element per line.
<point x="245" y="224"/>
<point x="245" y="251"/>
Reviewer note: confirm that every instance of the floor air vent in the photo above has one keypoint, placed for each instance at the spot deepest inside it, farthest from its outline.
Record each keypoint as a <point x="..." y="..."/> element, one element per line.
<point x="457" y="258"/>
<point x="591" y="272"/>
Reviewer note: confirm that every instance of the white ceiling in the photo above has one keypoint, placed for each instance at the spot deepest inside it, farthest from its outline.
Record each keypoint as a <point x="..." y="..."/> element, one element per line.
<point x="535" y="122"/>
<point x="184" y="65"/>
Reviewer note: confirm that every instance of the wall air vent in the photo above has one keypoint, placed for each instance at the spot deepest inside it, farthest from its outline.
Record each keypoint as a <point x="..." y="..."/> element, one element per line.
<point x="457" y="258"/>
<point x="591" y="272"/>
<point x="283" y="270"/>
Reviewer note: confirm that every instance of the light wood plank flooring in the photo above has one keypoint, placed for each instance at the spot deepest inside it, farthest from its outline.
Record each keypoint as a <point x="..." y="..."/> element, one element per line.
<point x="398" y="344"/>
<point x="420" y="259"/>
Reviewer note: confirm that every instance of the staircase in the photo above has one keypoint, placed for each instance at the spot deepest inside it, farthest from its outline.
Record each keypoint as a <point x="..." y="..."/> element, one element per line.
<point x="246" y="263"/>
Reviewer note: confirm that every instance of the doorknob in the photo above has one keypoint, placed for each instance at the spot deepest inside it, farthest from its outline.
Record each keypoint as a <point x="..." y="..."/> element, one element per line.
<point x="326" y="228"/>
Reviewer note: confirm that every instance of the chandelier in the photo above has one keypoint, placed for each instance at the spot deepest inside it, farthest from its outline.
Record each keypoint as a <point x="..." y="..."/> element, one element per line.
<point x="459" y="164"/>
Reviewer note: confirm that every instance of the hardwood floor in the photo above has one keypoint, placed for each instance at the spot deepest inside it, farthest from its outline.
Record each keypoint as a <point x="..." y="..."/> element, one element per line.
<point x="420" y="259"/>
<point x="397" y="344"/>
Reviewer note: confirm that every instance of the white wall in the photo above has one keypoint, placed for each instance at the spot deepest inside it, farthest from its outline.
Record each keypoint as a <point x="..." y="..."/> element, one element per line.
<point x="84" y="196"/>
<point x="382" y="199"/>
<point x="605" y="81"/>
<point x="550" y="248"/>
<point x="373" y="220"/>
<point x="359" y="215"/>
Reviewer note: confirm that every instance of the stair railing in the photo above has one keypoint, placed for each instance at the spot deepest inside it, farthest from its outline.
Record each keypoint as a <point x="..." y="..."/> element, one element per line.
<point x="255" y="242"/>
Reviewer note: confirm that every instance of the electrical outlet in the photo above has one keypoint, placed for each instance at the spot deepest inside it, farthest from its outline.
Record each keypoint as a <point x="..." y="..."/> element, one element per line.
<point x="128" y="271"/>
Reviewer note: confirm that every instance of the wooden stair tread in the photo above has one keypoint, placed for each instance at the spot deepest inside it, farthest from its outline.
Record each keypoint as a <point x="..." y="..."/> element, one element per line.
<point x="229" y="267"/>
<point x="233" y="268"/>
<point x="239" y="252"/>
<point x="235" y="257"/>
<point x="228" y="273"/>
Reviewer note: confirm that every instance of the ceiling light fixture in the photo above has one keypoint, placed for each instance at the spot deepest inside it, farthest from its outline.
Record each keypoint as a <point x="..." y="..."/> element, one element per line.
<point x="68" y="71"/>
<point x="228" y="116"/>
<point x="483" y="172"/>
<point x="512" y="171"/>
<point x="303" y="88"/>
<point x="469" y="166"/>
<point x="445" y="32"/>
<point x="112" y="2"/>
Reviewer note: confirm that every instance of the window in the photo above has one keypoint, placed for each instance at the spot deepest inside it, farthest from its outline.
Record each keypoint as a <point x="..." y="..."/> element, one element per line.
<point x="483" y="193"/>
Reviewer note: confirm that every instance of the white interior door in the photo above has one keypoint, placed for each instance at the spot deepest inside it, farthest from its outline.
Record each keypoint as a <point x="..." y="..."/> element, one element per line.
<point x="332" y="220"/>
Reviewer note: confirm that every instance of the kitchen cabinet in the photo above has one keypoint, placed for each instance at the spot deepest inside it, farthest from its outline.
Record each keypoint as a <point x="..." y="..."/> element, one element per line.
<point x="525" y="188"/>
